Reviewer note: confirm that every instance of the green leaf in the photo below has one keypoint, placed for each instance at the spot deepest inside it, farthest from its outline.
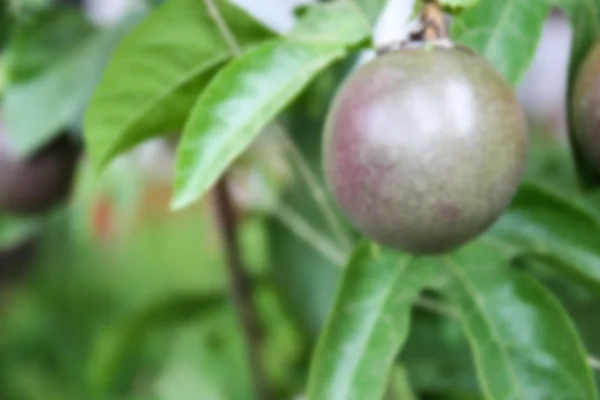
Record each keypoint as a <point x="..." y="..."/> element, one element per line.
<point x="56" y="95"/>
<point x="44" y="40"/>
<point x="237" y="104"/>
<point x="562" y="232"/>
<point x="297" y="267"/>
<point x="371" y="9"/>
<point x="523" y="342"/>
<point x="456" y="6"/>
<point x="505" y="32"/>
<point x="585" y="20"/>
<point x="156" y="73"/>
<point x="368" y="324"/>
<point x="339" y="22"/>
<point x="119" y="345"/>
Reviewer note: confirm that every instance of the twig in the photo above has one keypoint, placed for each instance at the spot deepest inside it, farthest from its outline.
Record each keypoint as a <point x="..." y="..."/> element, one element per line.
<point x="315" y="188"/>
<point x="306" y="173"/>
<point x="240" y="287"/>
<point x="229" y="37"/>
<point x="311" y="236"/>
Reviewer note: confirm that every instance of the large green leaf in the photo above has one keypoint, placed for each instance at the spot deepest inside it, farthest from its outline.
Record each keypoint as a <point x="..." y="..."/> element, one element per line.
<point x="157" y="72"/>
<point x="55" y="84"/>
<point x="557" y="229"/>
<point x="585" y="20"/>
<point x="506" y="32"/>
<point x="368" y="324"/>
<point x="523" y="342"/>
<point x="237" y="104"/>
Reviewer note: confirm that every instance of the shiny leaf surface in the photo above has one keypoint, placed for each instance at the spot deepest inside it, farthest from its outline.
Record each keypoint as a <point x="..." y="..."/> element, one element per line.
<point x="157" y="72"/>
<point x="237" y="104"/>
<point x="368" y="324"/>
<point x="523" y="342"/>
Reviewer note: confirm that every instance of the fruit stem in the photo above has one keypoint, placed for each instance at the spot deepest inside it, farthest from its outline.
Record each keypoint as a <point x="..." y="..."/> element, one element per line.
<point x="434" y="21"/>
<point x="240" y="287"/>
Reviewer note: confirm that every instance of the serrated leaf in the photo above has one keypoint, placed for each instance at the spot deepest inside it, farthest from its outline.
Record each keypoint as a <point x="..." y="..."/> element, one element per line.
<point x="585" y="21"/>
<point x="237" y="104"/>
<point x="524" y="345"/>
<point x="368" y="324"/>
<point x="56" y="95"/>
<point x="505" y="32"/>
<point x="556" y="229"/>
<point x="338" y="22"/>
<point x="157" y="72"/>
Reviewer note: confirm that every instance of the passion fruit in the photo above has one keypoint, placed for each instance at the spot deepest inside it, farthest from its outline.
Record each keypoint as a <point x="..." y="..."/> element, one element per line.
<point x="586" y="108"/>
<point x="38" y="183"/>
<point x="424" y="147"/>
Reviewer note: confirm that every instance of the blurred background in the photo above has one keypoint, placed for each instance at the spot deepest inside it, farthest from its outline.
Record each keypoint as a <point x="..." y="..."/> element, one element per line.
<point x="114" y="297"/>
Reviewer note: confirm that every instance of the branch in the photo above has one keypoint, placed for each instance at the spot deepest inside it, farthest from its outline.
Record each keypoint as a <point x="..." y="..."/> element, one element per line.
<point x="240" y="287"/>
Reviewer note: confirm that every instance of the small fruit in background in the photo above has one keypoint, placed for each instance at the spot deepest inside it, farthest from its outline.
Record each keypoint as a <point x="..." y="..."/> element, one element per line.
<point x="424" y="147"/>
<point x="586" y="108"/>
<point x="39" y="183"/>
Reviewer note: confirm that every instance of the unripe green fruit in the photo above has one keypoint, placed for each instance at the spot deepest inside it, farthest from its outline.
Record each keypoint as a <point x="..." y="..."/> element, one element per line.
<point x="586" y="108"/>
<point x="36" y="184"/>
<point x="424" y="148"/>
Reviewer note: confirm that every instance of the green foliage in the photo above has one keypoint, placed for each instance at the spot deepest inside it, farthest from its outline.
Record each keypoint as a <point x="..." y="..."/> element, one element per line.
<point x="506" y="33"/>
<point x="156" y="73"/>
<point x="148" y="318"/>
<point x="560" y="231"/>
<point x="524" y="343"/>
<point x="369" y="322"/>
<point x="54" y="55"/>
<point x="237" y="104"/>
<point x="457" y="6"/>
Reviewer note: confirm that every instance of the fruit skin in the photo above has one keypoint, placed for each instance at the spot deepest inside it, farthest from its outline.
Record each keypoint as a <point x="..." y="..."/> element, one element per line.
<point x="424" y="148"/>
<point x="585" y="107"/>
<point x="39" y="183"/>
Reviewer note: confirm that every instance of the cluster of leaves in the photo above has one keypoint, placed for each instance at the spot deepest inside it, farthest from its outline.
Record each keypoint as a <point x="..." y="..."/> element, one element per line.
<point x="211" y="71"/>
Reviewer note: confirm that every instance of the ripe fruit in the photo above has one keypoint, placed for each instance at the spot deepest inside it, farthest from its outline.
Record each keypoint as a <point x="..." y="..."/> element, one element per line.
<point x="586" y="108"/>
<point x="36" y="184"/>
<point x="424" y="148"/>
